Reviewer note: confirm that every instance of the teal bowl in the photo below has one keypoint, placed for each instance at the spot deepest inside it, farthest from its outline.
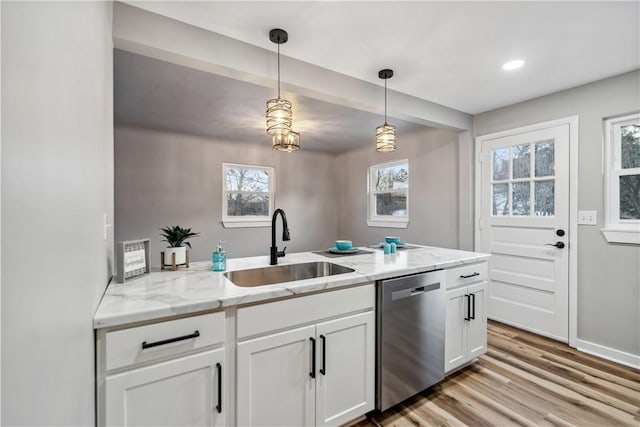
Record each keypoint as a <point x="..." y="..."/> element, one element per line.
<point x="343" y="245"/>
<point x="392" y="239"/>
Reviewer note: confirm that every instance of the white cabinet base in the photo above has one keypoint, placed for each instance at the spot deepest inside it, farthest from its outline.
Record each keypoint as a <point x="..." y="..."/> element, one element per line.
<point x="274" y="387"/>
<point x="179" y="392"/>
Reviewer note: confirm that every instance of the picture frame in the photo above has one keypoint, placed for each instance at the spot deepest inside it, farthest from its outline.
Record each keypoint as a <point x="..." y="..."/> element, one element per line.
<point x="132" y="259"/>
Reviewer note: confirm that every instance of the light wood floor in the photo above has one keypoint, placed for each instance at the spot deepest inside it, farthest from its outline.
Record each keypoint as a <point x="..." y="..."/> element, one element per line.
<point x="526" y="380"/>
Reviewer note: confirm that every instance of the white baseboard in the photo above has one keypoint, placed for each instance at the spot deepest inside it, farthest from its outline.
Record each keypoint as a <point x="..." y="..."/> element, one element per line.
<point x="609" y="353"/>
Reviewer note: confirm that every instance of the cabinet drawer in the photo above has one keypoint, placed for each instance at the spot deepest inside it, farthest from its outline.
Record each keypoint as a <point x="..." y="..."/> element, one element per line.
<point x="272" y="316"/>
<point x="465" y="275"/>
<point x="125" y="347"/>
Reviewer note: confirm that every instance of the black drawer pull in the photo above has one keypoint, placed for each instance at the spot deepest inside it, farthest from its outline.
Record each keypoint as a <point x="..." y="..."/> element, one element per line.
<point x="219" y="405"/>
<point x="196" y="334"/>
<point x="470" y="275"/>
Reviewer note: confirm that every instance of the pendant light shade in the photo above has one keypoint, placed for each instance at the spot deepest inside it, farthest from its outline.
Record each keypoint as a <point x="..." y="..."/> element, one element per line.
<point x="279" y="115"/>
<point x="288" y="142"/>
<point x="385" y="138"/>
<point x="386" y="133"/>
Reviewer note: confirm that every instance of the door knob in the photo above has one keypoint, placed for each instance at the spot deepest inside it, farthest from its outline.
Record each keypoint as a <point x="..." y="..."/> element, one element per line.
<point x="558" y="245"/>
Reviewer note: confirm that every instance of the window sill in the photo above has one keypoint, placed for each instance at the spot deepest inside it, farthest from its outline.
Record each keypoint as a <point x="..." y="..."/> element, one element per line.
<point x="246" y="224"/>
<point x="621" y="236"/>
<point x="388" y="224"/>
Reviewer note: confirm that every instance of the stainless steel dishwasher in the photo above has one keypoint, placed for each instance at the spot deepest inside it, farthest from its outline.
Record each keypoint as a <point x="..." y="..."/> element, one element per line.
<point x="410" y="336"/>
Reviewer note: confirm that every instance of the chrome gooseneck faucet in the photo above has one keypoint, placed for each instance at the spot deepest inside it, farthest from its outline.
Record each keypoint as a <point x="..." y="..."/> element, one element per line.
<point x="275" y="254"/>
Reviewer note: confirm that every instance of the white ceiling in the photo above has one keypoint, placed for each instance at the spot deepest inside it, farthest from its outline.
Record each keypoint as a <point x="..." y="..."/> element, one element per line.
<point x="445" y="52"/>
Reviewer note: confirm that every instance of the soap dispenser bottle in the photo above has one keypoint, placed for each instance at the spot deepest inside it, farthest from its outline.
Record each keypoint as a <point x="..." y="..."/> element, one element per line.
<point x="219" y="258"/>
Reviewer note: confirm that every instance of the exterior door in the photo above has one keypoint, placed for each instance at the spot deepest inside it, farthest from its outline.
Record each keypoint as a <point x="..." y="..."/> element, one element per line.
<point x="524" y="209"/>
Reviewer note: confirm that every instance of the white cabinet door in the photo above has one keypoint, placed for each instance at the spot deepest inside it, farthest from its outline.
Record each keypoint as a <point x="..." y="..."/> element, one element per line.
<point x="477" y="335"/>
<point x="345" y="355"/>
<point x="274" y="386"/>
<point x="455" y="353"/>
<point x="179" y="392"/>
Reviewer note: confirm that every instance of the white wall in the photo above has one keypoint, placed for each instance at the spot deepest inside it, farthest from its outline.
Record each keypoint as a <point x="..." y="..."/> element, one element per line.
<point x="173" y="179"/>
<point x="433" y="190"/>
<point x="608" y="274"/>
<point x="57" y="141"/>
<point x="166" y="179"/>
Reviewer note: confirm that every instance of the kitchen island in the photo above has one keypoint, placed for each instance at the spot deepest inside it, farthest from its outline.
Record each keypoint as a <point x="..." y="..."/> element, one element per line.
<point x="190" y="347"/>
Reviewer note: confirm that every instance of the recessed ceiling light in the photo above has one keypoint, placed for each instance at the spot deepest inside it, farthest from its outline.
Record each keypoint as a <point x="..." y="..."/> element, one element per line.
<point x="512" y="65"/>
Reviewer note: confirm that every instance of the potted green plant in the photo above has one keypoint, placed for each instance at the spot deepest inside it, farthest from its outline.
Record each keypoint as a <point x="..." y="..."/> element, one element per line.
<point x="176" y="237"/>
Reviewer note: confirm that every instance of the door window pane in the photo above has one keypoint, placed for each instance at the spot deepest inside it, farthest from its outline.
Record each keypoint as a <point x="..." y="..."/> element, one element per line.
<point x="247" y="204"/>
<point x="545" y="158"/>
<point x="500" y="164"/>
<point x="501" y="199"/>
<point x="521" y="198"/>
<point x="630" y="197"/>
<point x="544" y="198"/>
<point x="521" y="161"/>
<point x="394" y="204"/>
<point x="630" y="146"/>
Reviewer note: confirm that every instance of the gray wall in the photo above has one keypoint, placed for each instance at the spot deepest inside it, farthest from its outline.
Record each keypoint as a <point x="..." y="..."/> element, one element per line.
<point x="57" y="141"/>
<point x="168" y="179"/>
<point x="433" y="190"/>
<point x="608" y="274"/>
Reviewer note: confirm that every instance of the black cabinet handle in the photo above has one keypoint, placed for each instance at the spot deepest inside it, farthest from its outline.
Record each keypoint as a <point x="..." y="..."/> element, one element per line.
<point x="196" y="334"/>
<point x="470" y="275"/>
<point x="219" y="405"/>
<point x="323" y="370"/>
<point x="468" y="315"/>
<point x="312" y="374"/>
<point x="473" y="302"/>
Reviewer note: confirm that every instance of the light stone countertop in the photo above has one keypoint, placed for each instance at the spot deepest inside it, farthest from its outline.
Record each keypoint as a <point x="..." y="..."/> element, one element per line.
<point x="168" y="293"/>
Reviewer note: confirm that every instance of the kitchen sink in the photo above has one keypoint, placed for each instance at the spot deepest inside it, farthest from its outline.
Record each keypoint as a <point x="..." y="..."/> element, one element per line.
<point x="285" y="273"/>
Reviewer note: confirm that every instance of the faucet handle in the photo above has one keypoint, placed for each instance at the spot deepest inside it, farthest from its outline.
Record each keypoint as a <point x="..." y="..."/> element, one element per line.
<point x="282" y="252"/>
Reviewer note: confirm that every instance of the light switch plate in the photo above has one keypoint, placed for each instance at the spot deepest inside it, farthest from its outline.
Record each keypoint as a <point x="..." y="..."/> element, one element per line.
<point x="588" y="217"/>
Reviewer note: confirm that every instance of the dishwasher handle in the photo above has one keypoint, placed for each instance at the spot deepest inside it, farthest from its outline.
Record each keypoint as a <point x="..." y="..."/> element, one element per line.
<point x="414" y="291"/>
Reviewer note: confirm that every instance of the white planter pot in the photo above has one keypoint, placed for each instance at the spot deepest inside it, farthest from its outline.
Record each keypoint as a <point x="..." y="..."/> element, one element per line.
<point x="181" y="255"/>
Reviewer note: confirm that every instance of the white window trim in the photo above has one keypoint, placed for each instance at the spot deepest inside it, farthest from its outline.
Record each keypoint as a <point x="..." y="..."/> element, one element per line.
<point x="387" y="221"/>
<point x="247" y="221"/>
<point x="616" y="230"/>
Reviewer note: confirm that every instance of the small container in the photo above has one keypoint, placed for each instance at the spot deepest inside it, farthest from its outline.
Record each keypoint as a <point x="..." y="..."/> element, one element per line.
<point x="219" y="258"/>
<point x="392" y="247"/>
<point x="386" y="248"/>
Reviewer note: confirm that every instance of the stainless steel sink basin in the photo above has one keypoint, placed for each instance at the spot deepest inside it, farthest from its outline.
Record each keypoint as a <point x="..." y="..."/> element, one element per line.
<point x="285" y="273"/>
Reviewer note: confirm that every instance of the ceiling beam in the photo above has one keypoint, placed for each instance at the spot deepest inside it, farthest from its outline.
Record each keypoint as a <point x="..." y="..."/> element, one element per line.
<point x="156" y="36"/>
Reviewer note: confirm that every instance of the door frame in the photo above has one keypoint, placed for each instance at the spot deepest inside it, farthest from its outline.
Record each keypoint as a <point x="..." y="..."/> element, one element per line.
<point x="573" y="123"/>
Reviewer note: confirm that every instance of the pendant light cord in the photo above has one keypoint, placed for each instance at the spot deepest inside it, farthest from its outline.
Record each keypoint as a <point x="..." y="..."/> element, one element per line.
<point x="279" y="71"/>
<point x="385" y="102"/>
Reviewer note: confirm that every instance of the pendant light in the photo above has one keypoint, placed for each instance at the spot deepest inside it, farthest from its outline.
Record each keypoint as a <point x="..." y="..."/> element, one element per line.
<point x="386" y="133"/>
<point x="279" y="114"/>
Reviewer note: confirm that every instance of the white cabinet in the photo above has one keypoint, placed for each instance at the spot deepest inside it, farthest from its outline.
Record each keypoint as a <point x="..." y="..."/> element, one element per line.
<point x="346" y="355"/>
<point x="169" y="373"/>
<point x="274" y="385"/>
<point x="320" y="374"/>
<point x="181" y="392"/>
<point x="466" y="321"/>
